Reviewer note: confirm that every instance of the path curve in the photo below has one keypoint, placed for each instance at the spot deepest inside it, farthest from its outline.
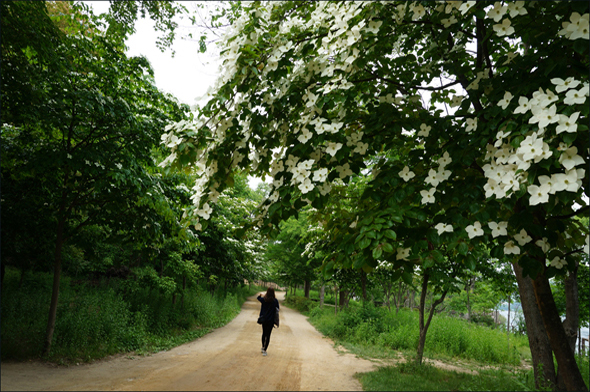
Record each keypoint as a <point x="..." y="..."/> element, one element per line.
<point x="229" y="358"/>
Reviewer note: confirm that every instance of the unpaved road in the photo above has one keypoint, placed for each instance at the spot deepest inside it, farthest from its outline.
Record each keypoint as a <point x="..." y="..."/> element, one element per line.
<point x="229" y="358"/>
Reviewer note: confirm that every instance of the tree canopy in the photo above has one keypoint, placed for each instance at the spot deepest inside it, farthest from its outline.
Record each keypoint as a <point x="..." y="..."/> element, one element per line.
<point x="488" y="126"/>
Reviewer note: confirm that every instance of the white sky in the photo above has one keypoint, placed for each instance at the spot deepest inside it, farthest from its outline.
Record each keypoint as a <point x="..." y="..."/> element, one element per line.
<point x="189" y="74"/>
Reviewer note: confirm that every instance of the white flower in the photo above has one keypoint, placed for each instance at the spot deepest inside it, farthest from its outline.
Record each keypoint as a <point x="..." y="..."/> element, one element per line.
<point x="333" y="148"/>
<point x="205" y="212"/>
<point x="511" y="248"/>
<point x="498" y="229"/>
<point x="517" y="8"/>
<point x="406" y="174"/>
<point x="573" y="97"/>
<point x="567" y="124"/>
<point x="373" y="26"/>
<point x="325" y="188"/>
<point x="539" y="194"/>
<point x="578" y="28"/>
<point x="428" y="196"/>
<point x="444" y="160"/>
<point x="198" y="226"/>
<point x="448" y="22"/>
<point x="558" y="262"/>
<point x="471" y="124"/>
<point x="456" y="101"/>
<point x="361" y="148"/>
<point x="497" y="12"/>
<point x="567" y="181"/>
<point x="119" y="166"/>
<point x="474" y="230"/>
<point x="403" y="253"/>
<point x="443" y="227"/>
<point x="504" y="28"/>
<point x="504" y="102"/>
<point x="443" y="174"/>
<point x="305" y="136"/>
<point x="418" y="11"/>
<point x="320" y="175"/>
<point x="531" y="147"/>
<point x="562" y="85"/>
<point x="543" y="244"/>
<point x="522" y="237"/>
<point x="523" y="105"/>
<point x="544" y="116"/>
<point x="344" y="170"/>
<point x="509" y="57"/>
<point x="433" y="178"/>
<point x="570" y="158"/>
<point x="424" y="130"/>
<point x="306" y="186"/>
<point x="466" y="6"/>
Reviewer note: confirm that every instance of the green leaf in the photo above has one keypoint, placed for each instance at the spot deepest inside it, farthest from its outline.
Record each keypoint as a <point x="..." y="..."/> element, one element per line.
<point x="387" y="247"/>
<point x="438" y="256"/>
<point x="377" y="252"/>
<point x="463" y="248"/>
<point x="390" y="234"/>
<point x="365" y="242"/>
<point x="407" y="277"/>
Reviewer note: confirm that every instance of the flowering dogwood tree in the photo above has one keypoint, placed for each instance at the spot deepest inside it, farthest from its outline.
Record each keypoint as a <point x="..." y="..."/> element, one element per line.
<point x="484" y="104"/>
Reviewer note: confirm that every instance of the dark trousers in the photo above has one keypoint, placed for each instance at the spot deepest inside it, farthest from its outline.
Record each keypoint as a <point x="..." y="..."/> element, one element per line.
<point x="266" y="331"/>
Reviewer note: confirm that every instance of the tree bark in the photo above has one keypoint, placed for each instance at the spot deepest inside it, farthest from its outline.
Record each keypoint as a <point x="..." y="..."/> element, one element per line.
<point x="424" y="326"/>
<point x="56" y="278"/>
<point x="467" y="289"/>
<point x="557" y="337"/>
<point x="307" y="287"/>
<point x="571" y="323"/>
<point x="342" y="298"/>
<point x="364" y="285"/>
<point x="322" y="291"/>
<point x="508" y="322"/>
<point x="541" y="352"/>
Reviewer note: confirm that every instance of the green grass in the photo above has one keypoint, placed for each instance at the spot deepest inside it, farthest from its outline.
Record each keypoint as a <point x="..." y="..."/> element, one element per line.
<point x="410" y="377"/>
<point x="94" y="321"/>
<point x="366" y="327"/>
<point x="313" y="295"/>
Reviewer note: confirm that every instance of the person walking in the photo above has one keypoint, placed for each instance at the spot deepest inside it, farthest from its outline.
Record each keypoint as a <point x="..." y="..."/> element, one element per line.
<point x="268" y="309"/>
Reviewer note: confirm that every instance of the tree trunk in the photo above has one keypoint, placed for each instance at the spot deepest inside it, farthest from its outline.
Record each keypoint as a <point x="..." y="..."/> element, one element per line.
<point x="424" y="326"/>
<point x="557" y="337"/>
<point x="541" y="352"/>
<point x="399" y="298"/>
<point x="508" y="325"/>
<point x="335" y="300"/>
<point x="183" y="289"/>
<point x="322" y="291"/>
<point x="467" y="289"/>
<point x="572" y="317"/>
<point x="307" y="287"/>
<point x="342" y="300"/>
<point x="56" y="278"/>
<point x="364" y="285"/>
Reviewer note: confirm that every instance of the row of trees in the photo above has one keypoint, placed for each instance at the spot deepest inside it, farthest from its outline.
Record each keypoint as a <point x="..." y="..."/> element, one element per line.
<point x="465" y="158"/>
<point x="81" y="142"/>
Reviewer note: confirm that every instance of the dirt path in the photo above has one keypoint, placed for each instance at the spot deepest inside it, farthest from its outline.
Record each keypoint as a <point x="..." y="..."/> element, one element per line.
<point x="229" y="358"/>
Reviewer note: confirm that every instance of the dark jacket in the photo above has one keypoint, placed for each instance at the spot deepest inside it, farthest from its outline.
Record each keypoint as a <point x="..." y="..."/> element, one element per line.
<point x="268" y="310"/>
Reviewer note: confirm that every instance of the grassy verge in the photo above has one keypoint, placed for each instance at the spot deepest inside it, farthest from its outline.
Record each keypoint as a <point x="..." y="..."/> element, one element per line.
<point x="314" y="295"/>
<point x="411" y="377"/>
<point x="375" y="332"/>
<point x="94" y="321"/>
